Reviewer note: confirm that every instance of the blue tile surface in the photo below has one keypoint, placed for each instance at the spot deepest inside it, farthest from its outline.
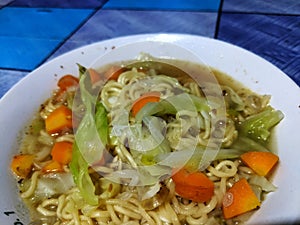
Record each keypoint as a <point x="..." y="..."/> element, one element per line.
<point x="263" y="6"/>
<point x="107" y="24"/>
<point x="8" y="78"/>
<point x="190" y="5"/>
<point x="5" y="2"/>
<point x="29" y="35"/>
<point x="24" y="53"/>
<point x="275" y="38"/>
<point x="59" y="3"/>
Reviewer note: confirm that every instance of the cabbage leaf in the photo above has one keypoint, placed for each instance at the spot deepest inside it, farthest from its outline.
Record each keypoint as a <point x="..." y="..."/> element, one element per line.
<point x="91" y="138"/>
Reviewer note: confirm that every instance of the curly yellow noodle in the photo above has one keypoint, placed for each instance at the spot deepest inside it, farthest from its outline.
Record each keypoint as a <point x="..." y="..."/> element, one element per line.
<point x="127" y="212"/>
<point x="155" y="217"/>
<point x="60" y="205"/>
<point x="113" y="215"/>
<point x="128" y="77"/>
<point x="110" y="89"/>
<point x="223" y="185"/>
<point x="207" y="124"/>
<point x="47" y="203"/>
<point x="100" y="214"/>
<point x="211" y="205"/>
<point x="120" y="154"/>
<point x="45" y="138"/>
<point x="43" y="153"/>
<point x="66" y="137"/>
<point x="225" y="168"/>
<point x="172" y="215"/>
<point x="128" y="156"/>
<point x="73" y="211"/>
<point x="49" y="108"/>
<point x="194" y="88"/>
<point x="142" y="211"/>
<point x="246" y="170"/>
<point x="30" y="191"/>
<point x="230" y="134"/>
<point x="66" y="213"/>
<point x="85" y="220"/>
<point x="220" y="190"/>
<point x="124" y="203"/>
<point x="182" y="208"/>
<point x="197" y="221"/>
<point x="131" y="223"/>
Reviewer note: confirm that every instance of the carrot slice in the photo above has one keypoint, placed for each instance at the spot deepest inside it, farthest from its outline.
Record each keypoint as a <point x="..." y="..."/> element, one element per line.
<point x="239" y="199"/>
<point x="138" y="104"/>
<point x="94" y="75"/>
<point x="260" y="162"/>
<point x="62" y="152"/>
<point x="52" y="167"/>
<point x="22" y="164"/>
<point x="194" y="186"/>
<point x="114" y="72"/>
<point x="64" y="83"/>
<point x="58" y="120"/>
<point x="67" y="81"/>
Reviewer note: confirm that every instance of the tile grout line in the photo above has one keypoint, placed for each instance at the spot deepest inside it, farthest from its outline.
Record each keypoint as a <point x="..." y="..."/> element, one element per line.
<point x="216" y="34"/>
<point x="13" y="69"/>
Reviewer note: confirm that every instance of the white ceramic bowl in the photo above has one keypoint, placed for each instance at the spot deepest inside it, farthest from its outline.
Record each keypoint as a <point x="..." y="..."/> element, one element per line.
<point x="20" y="103"/>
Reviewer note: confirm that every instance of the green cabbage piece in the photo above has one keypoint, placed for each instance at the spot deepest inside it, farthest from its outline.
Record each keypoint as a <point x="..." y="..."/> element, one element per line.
<point x="191" y="158"/>
<point x="79" y="169"/>
<point x="258" y="126"/>
<point x="101" y="122"/>
<point x="91" y="138"/>
<point x="172" y="105"/>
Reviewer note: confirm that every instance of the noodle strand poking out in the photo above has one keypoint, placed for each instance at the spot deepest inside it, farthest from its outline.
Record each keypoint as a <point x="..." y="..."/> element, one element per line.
<point x="130" y="181"/>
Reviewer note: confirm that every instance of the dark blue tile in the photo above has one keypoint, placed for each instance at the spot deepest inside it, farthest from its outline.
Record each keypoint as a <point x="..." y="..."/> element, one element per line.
<point x="50" y="23"/>
<point x="190" y="5"/>
<point x="107" y="24"/>
<point x="8" y="79"/>
<point x="275" y="38"/>
<point x="25" y="53"/>
<point x="29" y="35"/>
<point x="263" y="6"/>
<point x="5" y="2"/>
<point x="59" y="3"/>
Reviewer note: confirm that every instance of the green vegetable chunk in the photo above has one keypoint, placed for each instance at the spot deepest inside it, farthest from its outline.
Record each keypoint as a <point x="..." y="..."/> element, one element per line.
<point x="257" y="127"/>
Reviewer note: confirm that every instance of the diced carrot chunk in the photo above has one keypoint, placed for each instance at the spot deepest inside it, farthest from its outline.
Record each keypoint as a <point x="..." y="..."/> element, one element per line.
<point x="260" y="162"/>
<point x="22" y="164"/>
<point x="53" y="167"/>
<point x="194" y="186"/>
<point x="239" y="199"/>
<point x="58" y="120"/>
<point x="62" y="152"/>
<point x="67" y="81"/>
